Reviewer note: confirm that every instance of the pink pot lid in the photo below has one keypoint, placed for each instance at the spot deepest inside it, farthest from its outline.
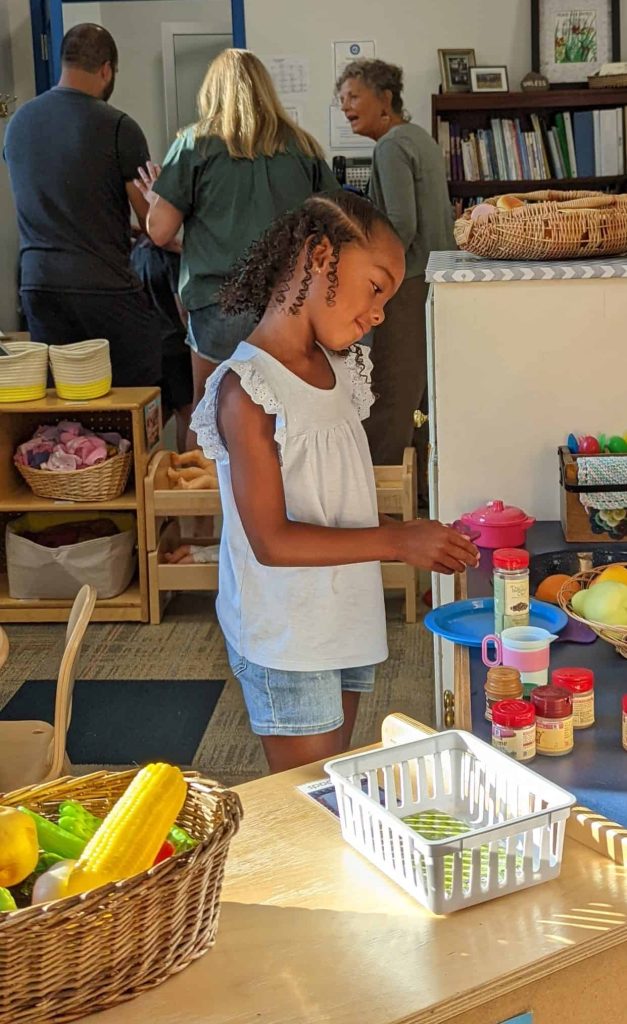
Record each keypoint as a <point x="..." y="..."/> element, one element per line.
<point x="496" y="513"/>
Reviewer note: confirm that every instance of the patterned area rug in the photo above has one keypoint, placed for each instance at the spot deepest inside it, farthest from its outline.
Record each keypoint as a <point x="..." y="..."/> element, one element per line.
<point x="188" y="645"/>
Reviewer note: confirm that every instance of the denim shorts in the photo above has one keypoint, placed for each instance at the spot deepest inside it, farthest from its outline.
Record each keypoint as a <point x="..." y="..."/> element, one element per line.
<point x="213" y="335"/>
<point x="282" y="703"/>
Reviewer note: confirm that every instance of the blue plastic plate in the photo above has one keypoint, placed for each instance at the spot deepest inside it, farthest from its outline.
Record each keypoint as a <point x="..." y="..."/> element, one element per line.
<point x="467" y="622"/>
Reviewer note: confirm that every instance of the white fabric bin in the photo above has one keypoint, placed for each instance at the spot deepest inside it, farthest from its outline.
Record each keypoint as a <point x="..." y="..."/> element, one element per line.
<point x="37" y="572"/>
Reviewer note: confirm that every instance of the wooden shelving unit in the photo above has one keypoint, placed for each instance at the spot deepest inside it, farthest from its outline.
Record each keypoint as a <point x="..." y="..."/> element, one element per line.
<point x="123" y="409"/>
<point x="472" y="111"/>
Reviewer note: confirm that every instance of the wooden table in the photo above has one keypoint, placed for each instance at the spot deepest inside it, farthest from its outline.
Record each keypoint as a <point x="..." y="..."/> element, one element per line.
<point x="310" y="933"/>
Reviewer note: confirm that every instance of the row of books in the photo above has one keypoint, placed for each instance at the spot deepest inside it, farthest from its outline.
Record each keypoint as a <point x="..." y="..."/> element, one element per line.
<point x="578" y="144"/>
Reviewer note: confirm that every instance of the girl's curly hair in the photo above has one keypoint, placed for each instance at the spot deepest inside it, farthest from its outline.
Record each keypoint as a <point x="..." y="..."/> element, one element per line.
<point x="266" y="269"/>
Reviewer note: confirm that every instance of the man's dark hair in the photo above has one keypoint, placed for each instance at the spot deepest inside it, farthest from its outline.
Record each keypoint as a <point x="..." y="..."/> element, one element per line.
<point x="87" y="47"/>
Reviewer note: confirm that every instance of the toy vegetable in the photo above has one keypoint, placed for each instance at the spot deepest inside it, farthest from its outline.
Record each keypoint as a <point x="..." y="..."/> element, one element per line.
<point x="7" y="903"/>
<point x="54" y="839"/>
<point x="52" y="884"/>
<point x="19" y="848"/>
<point x="133" y="831"/>
<point x="75" y="818"/>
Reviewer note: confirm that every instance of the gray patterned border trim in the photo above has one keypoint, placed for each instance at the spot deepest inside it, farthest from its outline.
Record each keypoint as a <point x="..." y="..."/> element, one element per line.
<point x="461" y="267"/>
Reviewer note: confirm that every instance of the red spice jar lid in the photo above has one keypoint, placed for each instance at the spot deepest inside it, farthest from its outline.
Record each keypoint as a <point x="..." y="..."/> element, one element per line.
<point x="510" y="558"/>
<point x="625" y="703"/>
<point x="513" y="713"/>
<point x="577" y="680"/>
<point x="552" y="701"/>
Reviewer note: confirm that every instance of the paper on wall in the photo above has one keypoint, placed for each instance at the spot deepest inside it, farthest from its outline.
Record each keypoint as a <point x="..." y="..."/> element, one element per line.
<point x="289" y="74"/>
<point x="346" y="53"/>
<point x="295" y="112"/>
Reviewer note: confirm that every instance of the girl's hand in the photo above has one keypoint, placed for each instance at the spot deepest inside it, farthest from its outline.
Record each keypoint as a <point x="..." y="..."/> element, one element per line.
<point x="148" y="175"/>
<point x="427" y="544"/>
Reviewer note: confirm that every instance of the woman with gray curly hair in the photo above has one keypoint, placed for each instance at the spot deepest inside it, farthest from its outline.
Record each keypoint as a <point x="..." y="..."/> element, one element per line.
<point x="409" y="184"/>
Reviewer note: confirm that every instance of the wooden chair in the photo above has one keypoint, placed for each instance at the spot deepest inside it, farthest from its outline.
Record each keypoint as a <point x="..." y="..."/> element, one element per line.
<point x="397" y="495"/>
<point x="33" y="752"/>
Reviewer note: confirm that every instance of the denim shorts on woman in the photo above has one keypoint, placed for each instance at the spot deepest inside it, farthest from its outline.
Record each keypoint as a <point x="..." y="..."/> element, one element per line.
<point x="283" y="703"/>
<point x="214" y="335"/>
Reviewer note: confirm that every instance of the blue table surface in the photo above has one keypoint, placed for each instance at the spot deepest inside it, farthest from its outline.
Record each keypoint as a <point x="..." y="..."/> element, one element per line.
<point x="596" y="771"/>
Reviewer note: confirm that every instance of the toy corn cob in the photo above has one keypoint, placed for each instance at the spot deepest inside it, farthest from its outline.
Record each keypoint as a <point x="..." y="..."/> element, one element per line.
<point x="133" y="831"/>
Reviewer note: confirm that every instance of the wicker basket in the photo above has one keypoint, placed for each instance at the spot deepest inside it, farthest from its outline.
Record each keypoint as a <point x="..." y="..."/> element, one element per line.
<point x="615" y="635"/>
<point x="24" y="372"/>
<point x="81" y="371"/>
<point x="607" y="81"/>
<point x="72" y="957"/>
<point x="551" y="226"/>
<point x="102" y="482"/>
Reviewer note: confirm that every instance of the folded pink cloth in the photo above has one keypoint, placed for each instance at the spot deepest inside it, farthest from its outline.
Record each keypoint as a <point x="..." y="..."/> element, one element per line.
<point x="68" y="446"/>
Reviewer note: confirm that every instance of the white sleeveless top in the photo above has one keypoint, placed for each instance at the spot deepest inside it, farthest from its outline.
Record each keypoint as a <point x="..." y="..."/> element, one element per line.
<point x="312" y="618"/>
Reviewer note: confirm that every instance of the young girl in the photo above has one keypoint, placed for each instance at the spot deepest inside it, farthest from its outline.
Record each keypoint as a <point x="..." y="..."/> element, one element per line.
<point x="301" y="598"/>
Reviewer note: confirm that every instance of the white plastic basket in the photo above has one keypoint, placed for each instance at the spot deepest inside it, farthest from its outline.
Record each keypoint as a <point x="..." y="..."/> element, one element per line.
<point x="81" y="370"/>
<point x="490" y="825"/>
<point x="24" y="372"/>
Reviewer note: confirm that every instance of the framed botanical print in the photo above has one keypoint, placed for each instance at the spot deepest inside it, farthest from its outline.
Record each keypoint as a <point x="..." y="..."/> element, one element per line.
<point x="571" y="39"/>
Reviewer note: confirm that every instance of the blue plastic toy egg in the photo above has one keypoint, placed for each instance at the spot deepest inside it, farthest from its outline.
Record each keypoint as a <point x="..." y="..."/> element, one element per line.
<point x="573" y="444"/>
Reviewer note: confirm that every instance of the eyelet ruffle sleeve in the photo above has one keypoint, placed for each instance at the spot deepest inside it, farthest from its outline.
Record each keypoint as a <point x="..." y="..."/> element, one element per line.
<point x="204" y="421"/>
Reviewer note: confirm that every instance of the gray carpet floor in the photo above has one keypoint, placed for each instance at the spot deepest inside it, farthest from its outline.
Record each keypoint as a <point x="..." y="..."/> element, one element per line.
<point x="188" y="645"/>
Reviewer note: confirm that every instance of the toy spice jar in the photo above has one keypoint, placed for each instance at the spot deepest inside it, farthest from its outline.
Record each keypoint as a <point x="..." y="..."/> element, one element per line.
<point x="501" y="684"/>
<point x="511" y="588"/>
<point x="514" y="729"/>
<point x="625" y="721"/>
<point x="554" y="720"/>
<point x="580" y="682"/>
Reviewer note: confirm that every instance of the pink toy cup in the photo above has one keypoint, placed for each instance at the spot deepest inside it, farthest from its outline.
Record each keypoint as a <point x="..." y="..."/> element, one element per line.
<point x="526" y="648"/>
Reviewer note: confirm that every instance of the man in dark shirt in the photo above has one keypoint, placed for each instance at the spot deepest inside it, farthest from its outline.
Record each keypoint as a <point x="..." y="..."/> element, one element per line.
<point x="72" y="159"/>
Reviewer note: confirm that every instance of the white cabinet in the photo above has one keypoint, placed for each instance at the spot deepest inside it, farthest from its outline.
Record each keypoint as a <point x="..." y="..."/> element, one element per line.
<point x="519" y="355"/>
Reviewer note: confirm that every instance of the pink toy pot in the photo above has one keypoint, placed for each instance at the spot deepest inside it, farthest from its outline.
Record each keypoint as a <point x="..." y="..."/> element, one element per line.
<point x="499" y="525"/>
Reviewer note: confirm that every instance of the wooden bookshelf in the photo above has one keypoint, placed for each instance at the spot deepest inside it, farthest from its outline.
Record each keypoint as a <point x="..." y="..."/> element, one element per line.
<point x="473" y="111"/>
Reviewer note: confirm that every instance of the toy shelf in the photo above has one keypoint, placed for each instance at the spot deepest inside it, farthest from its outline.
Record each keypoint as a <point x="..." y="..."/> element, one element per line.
<point x="396" y="495"/>
<point x="123" y="409"/>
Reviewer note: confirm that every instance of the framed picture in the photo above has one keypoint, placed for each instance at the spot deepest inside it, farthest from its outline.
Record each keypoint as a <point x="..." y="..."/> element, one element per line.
<point x="571" y="40"/>
<point x="489" y="79"/>
<point x="455" y="68"/>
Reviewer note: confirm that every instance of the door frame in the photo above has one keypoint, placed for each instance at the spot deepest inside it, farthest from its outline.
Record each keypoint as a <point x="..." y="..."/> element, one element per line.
<point x="47" y="28"/>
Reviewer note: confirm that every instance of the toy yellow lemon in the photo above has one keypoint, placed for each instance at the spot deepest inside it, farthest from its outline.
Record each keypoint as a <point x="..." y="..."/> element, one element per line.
<point x="19" y="848"/>
<point x="613" y="573"/>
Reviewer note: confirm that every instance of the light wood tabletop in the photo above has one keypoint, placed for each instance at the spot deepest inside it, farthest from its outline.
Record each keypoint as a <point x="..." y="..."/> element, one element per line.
<point x="310" y="932"/>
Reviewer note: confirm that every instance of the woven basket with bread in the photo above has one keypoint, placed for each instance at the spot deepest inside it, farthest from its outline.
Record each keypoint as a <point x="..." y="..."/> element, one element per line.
<point x="545" y="225"/>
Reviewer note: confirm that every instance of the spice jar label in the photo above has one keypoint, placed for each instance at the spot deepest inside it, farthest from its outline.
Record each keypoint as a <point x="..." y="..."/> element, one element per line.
<point x="518" y="743"/>
<point x="554" y="735"/>
<point x="511" y="602"/>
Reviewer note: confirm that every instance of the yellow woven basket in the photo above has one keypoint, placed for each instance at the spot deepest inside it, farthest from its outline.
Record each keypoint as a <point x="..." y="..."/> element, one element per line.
<point x="24" y="372"/>
<point x="101" y="482"/>
<point x="614" y="635"/>
<point x="550" y="226"/>
<point x="90" y="952"/>
<point x="82" y="370"/>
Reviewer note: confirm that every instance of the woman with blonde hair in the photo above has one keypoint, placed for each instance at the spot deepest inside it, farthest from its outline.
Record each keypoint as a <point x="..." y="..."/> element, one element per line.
<point x="225" y="179"/>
